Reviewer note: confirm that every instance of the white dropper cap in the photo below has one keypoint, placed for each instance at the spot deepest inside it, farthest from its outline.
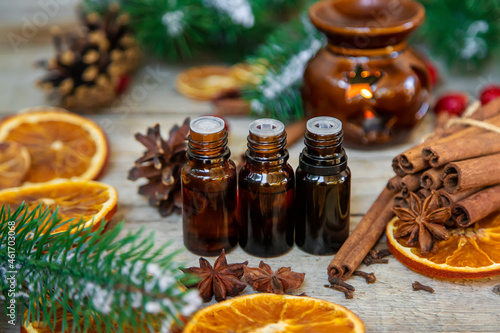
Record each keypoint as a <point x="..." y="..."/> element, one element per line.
<point x="324" y="126"/>
<point x="207" y="125"/>
<point x="266" y="127"/>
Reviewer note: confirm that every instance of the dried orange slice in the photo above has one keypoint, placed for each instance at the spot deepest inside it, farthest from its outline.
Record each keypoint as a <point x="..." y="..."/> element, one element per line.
<point x="472" y="252"/>
<point x="274" y="313"/>
<point x="206" y="82"/>
<point x="246" y="73"/>
<point x="87" y="200"/>
<point x="14" y="164"/>
<point x="61" y="144"/>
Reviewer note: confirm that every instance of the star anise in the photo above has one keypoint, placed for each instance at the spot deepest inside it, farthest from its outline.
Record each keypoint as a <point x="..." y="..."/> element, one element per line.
<point x="161" y="164"/>
<point x="423" y="222"/>
<point x="222" y="280"/>
<point x="263" y="279"/>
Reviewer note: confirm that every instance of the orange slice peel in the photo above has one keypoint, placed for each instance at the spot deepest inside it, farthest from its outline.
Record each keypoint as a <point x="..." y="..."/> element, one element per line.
<point x="274" y="313"/>
<point x="61" y="144"/>
<point x="469" y="253"/>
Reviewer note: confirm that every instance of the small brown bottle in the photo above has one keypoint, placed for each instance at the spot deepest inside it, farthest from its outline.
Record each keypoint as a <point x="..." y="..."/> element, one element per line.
<point x="323" y="189"/>
<point x="266" y="192"/>
<point x="209" y="190"/>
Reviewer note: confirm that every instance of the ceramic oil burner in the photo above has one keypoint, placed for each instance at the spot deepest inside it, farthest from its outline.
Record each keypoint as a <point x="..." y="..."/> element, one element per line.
<point x="367" y="76"/>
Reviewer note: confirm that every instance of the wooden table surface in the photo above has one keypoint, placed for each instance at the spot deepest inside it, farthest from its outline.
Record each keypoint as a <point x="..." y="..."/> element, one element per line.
<point x="389" y="305"/>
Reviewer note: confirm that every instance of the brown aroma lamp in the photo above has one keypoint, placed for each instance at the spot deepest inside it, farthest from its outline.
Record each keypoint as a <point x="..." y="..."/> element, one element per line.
<point x="366" y="75"/>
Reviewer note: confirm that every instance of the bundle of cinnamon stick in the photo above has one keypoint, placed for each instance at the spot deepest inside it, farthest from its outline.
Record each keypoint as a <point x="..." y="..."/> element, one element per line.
<point x="461" y="162"/>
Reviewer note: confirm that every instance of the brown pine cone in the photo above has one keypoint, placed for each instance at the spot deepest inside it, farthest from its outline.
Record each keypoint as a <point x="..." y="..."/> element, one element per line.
<point x="91" y="64"/>
<point x="161" y="164"/>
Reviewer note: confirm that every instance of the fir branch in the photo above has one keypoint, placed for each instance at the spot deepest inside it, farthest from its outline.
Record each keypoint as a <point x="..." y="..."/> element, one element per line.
<point x="86" y="278"/>
<point x="182" y="29"/>
<point x="465" y="33"/>
<point x="284" y="55"/>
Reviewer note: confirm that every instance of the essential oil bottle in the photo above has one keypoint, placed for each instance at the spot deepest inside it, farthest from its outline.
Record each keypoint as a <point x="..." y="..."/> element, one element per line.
<point x="209" y="190"/>
<point x="266" y="192"/>
<point x="323" y="189"/>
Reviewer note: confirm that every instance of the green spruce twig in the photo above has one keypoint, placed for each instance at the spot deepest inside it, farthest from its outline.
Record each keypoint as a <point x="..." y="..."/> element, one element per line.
<point x="284" y="55"/>
<point x="94" y="278"/>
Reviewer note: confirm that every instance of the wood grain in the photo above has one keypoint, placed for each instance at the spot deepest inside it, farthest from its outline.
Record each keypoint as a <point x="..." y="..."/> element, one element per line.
<point x="389" y="305"/>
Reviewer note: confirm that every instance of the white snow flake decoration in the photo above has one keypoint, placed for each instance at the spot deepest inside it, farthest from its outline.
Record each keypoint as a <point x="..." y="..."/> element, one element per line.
<point x="475" y="46"/>
<point x="239" y="11"/>
<point x="291" y="72"/>
<point x="174" y="22"/>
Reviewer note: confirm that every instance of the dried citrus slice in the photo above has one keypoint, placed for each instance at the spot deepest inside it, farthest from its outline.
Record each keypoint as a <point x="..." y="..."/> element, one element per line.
<point x="246" y="73"/>
<point x="61" y="144"/>
<point x="87" y="200"/>
<point x="206" y="82"/>
<point x="14" y="164"/>
<point x="274" y="313"/>
<point x="472" y="252"/>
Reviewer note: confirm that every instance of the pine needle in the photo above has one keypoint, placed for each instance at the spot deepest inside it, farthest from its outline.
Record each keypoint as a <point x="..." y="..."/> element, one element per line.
<point x="86" y="278"/>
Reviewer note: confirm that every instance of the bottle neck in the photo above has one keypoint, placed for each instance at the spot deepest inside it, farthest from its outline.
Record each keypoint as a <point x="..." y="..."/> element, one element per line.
<point x="323" y="154"/>
<point x="267" y="150"/>
<point x="208" y="148"/>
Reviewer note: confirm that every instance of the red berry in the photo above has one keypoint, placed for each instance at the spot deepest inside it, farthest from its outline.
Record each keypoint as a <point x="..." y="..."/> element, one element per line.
<point x="489" y="93"/>
<point x="452" y="103"/>
<point x="123" y="82"/>
<point x="433" y="72"/>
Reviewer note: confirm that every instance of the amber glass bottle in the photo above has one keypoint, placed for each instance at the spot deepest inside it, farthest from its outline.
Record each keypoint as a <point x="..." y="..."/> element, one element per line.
<point x="209" y="190"/>
<point x="323" y="189"/>
<point x="266" y="192"/>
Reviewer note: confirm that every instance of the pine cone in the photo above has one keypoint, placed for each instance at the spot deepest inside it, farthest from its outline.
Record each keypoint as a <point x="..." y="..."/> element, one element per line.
<point x="90" y="66"/>
<point x="161" y="164"/>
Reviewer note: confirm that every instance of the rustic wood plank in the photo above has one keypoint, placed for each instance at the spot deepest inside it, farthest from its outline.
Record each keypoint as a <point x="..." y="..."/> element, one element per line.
<point x="389" y="305"/>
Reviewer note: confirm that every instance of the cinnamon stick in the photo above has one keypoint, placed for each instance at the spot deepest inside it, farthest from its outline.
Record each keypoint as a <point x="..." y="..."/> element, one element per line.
<point x="411" y="161"/>
<point x="477" y="206"/>
<point x="424" y="193"/>
<point x="410" y="183"/>
<point x="450" y="199"/>
<point x="477" y="172"/>
<point x="231" y="107"/>
<point x="363" y="238"/>
<point x="431" y="179"/>
<point x="396" y="166"/>
<point x="400" y="200"/>
<point x="394" y="184"/>
<point x="468" y="147"/>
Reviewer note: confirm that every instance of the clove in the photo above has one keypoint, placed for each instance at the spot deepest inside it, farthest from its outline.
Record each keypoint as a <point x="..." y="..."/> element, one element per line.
<point x="496" y="289"/>
<point x="369" y="277"/>
<point x="382" y="253"/>
<point x="349" y="294"/>
<point x="337" y="281"/>
<point x="418" y="286"/>
<point x="369" y="260"/>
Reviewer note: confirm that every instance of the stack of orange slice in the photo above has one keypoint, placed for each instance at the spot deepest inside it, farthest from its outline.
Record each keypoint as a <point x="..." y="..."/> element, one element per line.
<point x="52" y="155"/>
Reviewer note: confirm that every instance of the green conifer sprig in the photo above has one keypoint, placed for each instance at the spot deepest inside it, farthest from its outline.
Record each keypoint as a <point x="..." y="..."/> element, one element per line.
<point x="284" y="55"/>
<point x="180" y="29"/>
<point x="465" y="33"/>
<point x="95" y="277"/>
